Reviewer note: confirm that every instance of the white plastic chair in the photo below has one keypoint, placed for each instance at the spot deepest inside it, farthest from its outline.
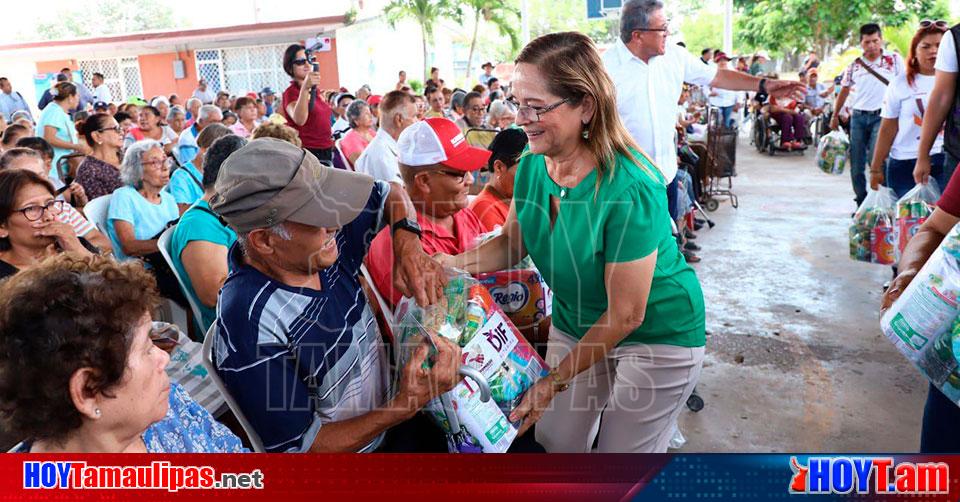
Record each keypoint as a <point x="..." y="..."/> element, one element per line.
<point x="164" y="244"/>
<point x="208" y="341"/>
<point x="96" y="212"/>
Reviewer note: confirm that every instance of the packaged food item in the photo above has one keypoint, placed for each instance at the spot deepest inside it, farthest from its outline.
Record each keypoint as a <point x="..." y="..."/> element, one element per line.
<point x="520" y="293"/>
<point x="913" y="209"/>
<point x="491" y="345"/>
<point x="924" y="323"/>
<point x="833" y="152"/>
<point x="872" y="232"/>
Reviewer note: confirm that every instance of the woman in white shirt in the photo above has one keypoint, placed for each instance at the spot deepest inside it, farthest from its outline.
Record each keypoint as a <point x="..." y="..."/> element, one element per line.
<point x="904" y="105"/>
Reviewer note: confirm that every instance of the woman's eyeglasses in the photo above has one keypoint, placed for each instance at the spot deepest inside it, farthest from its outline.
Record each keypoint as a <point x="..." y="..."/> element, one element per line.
<point x="535" y="113"/>
<point x="300" y="61"/>
<point x="34" y="213"/>
<point x="116" y="129"/>
<point x="166" y="161"/>
<point x="926" y="23"/>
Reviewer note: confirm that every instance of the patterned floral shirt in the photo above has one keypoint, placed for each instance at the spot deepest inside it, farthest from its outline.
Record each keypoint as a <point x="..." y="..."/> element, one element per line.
<point x="97" y="177"/>
<point x="187" y="428"/>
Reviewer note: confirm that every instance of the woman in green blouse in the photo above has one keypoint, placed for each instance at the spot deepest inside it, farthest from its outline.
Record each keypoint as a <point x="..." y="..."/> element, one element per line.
<point x="626" y="345"/>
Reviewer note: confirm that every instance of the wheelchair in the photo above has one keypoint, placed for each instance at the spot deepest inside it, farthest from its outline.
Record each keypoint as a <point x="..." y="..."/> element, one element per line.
<point x="766" y="135"/>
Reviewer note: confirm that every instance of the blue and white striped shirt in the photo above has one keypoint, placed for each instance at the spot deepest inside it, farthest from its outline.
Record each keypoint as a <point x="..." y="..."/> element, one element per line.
<point x="296" y="358"/>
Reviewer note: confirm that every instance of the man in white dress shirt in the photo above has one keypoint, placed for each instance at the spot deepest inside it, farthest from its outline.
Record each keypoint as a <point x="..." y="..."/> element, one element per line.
<point x="101" y="93"/>
<point x="398" y="110"/>
<point x="649" y="75"/>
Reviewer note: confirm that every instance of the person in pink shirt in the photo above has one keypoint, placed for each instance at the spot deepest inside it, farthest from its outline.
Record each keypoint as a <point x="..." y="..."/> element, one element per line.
<point x="361" y="132"/>
<point x="246" y="108"/>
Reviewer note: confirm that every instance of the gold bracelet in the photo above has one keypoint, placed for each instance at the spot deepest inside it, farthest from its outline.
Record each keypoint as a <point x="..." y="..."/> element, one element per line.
<point x="558" y="384"/>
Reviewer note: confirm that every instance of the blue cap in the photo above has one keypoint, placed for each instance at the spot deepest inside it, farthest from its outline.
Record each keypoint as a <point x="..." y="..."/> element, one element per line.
<point x="101" y="105"/>
<point x="267" y="92"/>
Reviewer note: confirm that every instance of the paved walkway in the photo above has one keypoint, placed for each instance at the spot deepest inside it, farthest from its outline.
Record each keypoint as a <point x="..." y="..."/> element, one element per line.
<point x="795" y="357"/>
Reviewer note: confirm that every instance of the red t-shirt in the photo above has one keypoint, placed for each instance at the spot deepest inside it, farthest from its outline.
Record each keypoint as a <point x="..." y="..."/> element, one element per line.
<point x="435" y="239"/>
<point x="490" y="209"/>
<point x="950" y="200"/>
<point x="315" y="132"/>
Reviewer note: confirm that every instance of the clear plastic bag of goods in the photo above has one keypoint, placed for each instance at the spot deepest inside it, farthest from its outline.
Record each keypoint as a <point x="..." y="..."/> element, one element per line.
<point x="923" y="323"/>
<point x="468" y="315"/>
<point x="833" y="152"/>
<point x="913" y="209"/>
<point x="873" y="231"/>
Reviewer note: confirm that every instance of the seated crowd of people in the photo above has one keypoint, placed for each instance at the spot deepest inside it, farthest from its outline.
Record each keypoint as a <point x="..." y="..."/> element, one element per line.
<point x="87" y="191"/>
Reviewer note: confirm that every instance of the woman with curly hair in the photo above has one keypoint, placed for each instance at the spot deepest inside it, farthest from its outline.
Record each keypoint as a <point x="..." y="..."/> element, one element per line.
<point x="79" y="372"/>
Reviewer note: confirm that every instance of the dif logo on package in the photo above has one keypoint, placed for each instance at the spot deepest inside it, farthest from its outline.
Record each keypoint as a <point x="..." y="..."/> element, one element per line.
<point x="862" y="475"/>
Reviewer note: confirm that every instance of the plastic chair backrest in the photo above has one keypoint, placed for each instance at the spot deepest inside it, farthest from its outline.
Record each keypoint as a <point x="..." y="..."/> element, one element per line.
<point x="384" y="306"/>
<point x="96" y="212"/>
<point x="208" y="341"/>
<point x="343" y="158"/>
<point x="164" y="244"/>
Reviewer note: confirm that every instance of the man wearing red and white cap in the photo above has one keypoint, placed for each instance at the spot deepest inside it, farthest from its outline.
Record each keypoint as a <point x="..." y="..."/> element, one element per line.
<point x="436" y="164"/>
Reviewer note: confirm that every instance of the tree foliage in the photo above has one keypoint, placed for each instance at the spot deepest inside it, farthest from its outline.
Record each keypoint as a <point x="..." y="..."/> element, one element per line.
<point x="789" y="26"/>
<point x="426" y="13"/>
<point x="108" y="17"/>
<point x="505" y="17"/>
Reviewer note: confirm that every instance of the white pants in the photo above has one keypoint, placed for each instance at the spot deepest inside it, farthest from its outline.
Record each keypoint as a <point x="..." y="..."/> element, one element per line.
<point x="631" y="397"/>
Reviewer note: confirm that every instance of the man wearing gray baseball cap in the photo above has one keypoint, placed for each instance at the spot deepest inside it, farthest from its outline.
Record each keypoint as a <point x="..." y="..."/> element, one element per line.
<point x="296" y="342"/>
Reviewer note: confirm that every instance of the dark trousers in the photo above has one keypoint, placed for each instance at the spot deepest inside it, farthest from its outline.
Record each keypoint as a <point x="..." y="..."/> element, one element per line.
<point x="864" y="127"/>
<point x="324" y="155"/>
<point x="940" y="433"/>
<point x="899" y="175"/>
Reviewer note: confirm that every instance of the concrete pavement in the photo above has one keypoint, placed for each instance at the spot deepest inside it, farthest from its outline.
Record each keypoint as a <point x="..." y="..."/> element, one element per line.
<point x="795" y="357"/>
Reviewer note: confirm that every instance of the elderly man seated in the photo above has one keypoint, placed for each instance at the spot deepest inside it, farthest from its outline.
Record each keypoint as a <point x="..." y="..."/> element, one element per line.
<point x="436" y="164"/>
<point x="187" y="147"/>
<point x="296" y="342"/>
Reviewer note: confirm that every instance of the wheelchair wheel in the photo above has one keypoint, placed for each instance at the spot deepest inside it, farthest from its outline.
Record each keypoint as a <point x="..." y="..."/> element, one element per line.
<point x="759" y="135"/>
<point x="711" y="204"/>
<point x="695" y="402"/>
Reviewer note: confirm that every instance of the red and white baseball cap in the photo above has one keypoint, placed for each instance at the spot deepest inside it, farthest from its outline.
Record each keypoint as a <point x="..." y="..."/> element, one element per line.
<point x="439" y="141"/>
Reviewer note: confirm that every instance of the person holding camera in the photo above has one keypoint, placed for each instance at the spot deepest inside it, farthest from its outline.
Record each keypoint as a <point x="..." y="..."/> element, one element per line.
<point x="302" y="108"/>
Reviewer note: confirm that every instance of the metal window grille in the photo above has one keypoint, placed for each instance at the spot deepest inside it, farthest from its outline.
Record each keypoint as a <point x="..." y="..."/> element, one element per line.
<point x="120" y="75"/>
<point x="240" y="70"/>
<point x="210" y="68"/>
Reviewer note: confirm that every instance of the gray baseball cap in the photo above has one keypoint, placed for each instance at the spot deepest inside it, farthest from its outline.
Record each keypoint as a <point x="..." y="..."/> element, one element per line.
<point x="269" y="181"/>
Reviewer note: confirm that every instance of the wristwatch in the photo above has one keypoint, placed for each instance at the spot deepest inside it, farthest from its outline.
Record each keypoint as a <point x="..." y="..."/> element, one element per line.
<point x="762" y="88"/>
<point x="558" y="384"/>
<point x="410" y="225"/>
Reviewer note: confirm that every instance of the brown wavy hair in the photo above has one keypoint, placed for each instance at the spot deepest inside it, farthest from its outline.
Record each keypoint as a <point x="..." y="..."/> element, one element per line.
<point x="67" y="313"/>
<point x="571" y="65"/>
<point x="913" y="66"/>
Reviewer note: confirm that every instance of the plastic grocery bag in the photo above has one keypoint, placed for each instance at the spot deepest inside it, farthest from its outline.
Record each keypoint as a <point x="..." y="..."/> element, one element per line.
<point x="491" y="344"/>
<point x="872" y="233"/>
<point x="833" y="152"/>
<point x="923" y="323"/>
<point x="913" y="209"/>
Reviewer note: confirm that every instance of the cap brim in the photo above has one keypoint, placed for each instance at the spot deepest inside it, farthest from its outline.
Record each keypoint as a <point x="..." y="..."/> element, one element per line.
<point x="469" y="159"/>
<point x="339" y="197"/>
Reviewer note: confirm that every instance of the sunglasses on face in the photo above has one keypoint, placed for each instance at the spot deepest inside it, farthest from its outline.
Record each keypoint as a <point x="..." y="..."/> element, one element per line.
<point x="300" y="61"/>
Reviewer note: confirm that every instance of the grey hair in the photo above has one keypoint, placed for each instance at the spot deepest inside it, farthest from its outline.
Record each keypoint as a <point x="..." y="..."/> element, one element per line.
<point x="635" y="15"/>
<point x="500" y="107"/>
<point x="355" y="110"/>
<point x="174" y="111"/>
<point x="191" y="101"/>
<point x="206" y="111"/>
<point x="243" y="238"/>
<point x="131" y="170"/>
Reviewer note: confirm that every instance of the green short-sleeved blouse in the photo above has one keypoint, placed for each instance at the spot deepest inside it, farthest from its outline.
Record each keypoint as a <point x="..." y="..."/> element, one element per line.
<point x="625" y="221"/>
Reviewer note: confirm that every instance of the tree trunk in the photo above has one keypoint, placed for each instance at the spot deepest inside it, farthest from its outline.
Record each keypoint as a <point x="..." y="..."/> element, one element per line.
<point x="473" y="45"/>
<point x="426" y="65"/>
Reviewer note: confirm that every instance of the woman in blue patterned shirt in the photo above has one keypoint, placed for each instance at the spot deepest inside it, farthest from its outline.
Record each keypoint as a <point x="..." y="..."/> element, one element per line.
<point x="79" y="371"/>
